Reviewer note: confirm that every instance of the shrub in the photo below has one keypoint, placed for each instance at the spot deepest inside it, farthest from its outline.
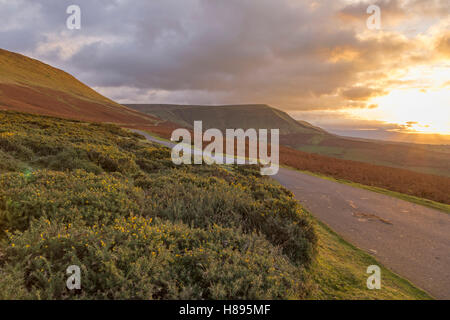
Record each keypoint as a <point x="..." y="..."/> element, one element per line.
<point x="8" y="163"/>
<point x="69" y="159"/>
<point x="250" y="205"/>
<point x="10" y="145"/>
<point x="111" y="158"/>
<point x="136" y="258"/>
<point x="65" y="195"/>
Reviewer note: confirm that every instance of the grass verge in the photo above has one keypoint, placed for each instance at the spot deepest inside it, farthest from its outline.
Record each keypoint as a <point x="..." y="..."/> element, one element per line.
<point x="339" y="272"/>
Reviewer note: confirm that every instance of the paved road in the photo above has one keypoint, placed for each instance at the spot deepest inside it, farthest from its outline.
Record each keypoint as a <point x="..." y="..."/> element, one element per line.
<point x="411" y="240"/>
<point x="154" y="139"/>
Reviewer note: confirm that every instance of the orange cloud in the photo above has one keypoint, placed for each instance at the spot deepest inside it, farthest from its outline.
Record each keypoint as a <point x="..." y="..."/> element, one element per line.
<point x="442" y="45"/>
<point x="362" y="93"/>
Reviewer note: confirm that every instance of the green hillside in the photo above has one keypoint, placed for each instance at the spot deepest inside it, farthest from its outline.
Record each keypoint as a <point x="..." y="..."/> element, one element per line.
<point x="232" y="116"/>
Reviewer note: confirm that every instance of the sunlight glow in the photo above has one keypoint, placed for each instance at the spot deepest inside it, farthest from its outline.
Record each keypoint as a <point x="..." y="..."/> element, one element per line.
<point x="423" y="107"/>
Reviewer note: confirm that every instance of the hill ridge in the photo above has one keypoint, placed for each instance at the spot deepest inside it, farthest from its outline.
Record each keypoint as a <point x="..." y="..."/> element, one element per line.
<point x="30" y="85"/>
<point x="262" y="116"/>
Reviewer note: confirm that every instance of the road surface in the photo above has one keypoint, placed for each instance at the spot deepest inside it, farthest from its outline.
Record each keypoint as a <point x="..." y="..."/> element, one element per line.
<point x="411" y="240"/>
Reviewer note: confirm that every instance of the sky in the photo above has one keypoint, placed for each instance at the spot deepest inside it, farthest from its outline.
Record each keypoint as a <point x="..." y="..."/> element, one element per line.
<point x="317" y="60"/>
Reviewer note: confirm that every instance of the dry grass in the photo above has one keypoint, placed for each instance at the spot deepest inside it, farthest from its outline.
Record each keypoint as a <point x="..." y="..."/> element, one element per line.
<point x="432" y="187"/>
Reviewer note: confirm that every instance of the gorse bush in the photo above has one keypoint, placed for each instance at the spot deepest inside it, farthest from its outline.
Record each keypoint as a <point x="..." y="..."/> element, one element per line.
<point x="138" y="258"/>
<point x="246" y="203"/>
<point x="65" y="195"/>
<point x="139" y="227"/>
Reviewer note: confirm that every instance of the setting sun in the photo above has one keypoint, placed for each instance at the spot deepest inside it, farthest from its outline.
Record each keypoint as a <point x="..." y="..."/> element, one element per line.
<point x="419" y="106"/>
<point x="422" y="111"/>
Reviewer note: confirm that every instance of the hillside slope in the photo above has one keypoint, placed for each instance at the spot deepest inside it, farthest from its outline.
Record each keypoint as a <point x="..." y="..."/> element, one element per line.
<point x="29" y="85"/>
<point x="231" y="116"/>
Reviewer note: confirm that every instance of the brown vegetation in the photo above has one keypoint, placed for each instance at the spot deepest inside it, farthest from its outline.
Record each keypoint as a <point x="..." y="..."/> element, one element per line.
<point x="432" y="187"/>
<point x="396" y="154"/>
<point x="40" y="100"/>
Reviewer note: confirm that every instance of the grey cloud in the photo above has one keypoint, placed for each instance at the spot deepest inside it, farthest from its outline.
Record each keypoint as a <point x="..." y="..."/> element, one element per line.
<point x="18" y="40"/>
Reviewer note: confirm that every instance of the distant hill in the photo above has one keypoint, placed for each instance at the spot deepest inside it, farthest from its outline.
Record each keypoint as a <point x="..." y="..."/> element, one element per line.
<point x="394" y="136"/>
<point x="29" y="85"/>
<point x="303" y="136"/>
<point x="257" y="116"/>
